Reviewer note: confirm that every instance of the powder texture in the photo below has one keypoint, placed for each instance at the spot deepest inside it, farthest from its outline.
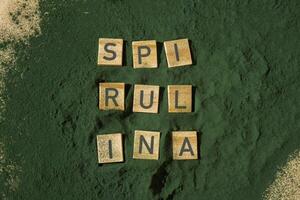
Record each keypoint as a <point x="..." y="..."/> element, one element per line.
<point x="287" y="182"/>
<point x="19" y="20"/>
<point x="246" y="91"/>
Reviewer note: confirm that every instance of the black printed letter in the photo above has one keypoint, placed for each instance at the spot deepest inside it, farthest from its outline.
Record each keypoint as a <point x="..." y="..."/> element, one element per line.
<point x="140" y="55"/>
<point x="112" y="97"/>
<point x="176" y="52"/>
<point x="176" y="101"/>
<point x="184" y="149"/>
<point x="150" y="149"/>
<point x="114" y="54"/>
<point x="110" y="149"/>
<point x="150" y="101"/>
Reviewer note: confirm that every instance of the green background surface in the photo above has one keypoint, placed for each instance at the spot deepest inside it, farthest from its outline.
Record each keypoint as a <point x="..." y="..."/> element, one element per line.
<point x="247" y="99"/>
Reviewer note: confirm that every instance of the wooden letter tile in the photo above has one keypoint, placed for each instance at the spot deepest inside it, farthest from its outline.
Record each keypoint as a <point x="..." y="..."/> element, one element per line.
<point x="111" y="96"/>
<point x="146" y="98"/>
<point x="110" y="52"/>
<point x="178" y="52"/>
<point x="146" y="145"/>
<point x="180" y="98"/>
<point x="144" y="54"/>
<point x="110" y="148"/>
<point x="184" y="145"/>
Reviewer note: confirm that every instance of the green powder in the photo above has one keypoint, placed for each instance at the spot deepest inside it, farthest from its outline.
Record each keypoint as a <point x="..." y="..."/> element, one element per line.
<point x="247" y="109"/>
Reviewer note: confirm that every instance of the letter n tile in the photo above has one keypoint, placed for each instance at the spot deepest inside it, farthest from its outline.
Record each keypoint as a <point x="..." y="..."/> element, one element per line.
<point x="146" y="145"/>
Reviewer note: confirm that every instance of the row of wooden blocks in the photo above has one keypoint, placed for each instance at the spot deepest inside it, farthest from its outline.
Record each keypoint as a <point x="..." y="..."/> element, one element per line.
<point x="146" y="146"/>
<point x="110" y="53"/>
<point x="145" y="97"/>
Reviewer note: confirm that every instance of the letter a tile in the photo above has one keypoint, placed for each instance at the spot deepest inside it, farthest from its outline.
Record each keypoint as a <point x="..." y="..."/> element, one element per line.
<point x="178" y="53"/>
<point x="180" y="98"/>
<point x="111" y="96"/>
<point x="146" y="98"/>
<point x="110" y="148"/>
<point x="110" y="52"/>
<point x="146" y="145"/>
<point x="184" y="145"/>
<point x="144" y="54"/>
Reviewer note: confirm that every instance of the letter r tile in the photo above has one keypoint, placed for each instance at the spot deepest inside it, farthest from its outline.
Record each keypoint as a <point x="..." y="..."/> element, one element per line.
<point x="146" y="98"/>
<point x="144" y="54"/>
<point x="110" y="148"/>
<point x="184" y="145"/>
<point x="110" y="52"/>
<point x="178" y="53"/>
<point x="180" y="98"/>
<point x="111" y="96"/>
<point x="146" y="145"/>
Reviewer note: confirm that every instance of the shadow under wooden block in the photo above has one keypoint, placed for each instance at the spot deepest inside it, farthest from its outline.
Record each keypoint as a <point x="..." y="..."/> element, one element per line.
<point x="110" y="52"/>
<point x="146" y="145"/>
<point x="111" y="96"/>
<point x="146" y="98"/>
<point x="185" y="145"/>
<point x="110" y="148"/>
<point x="179" y="98"/>
<point x="144" y="54"/>
<point x="178" y="53"/>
